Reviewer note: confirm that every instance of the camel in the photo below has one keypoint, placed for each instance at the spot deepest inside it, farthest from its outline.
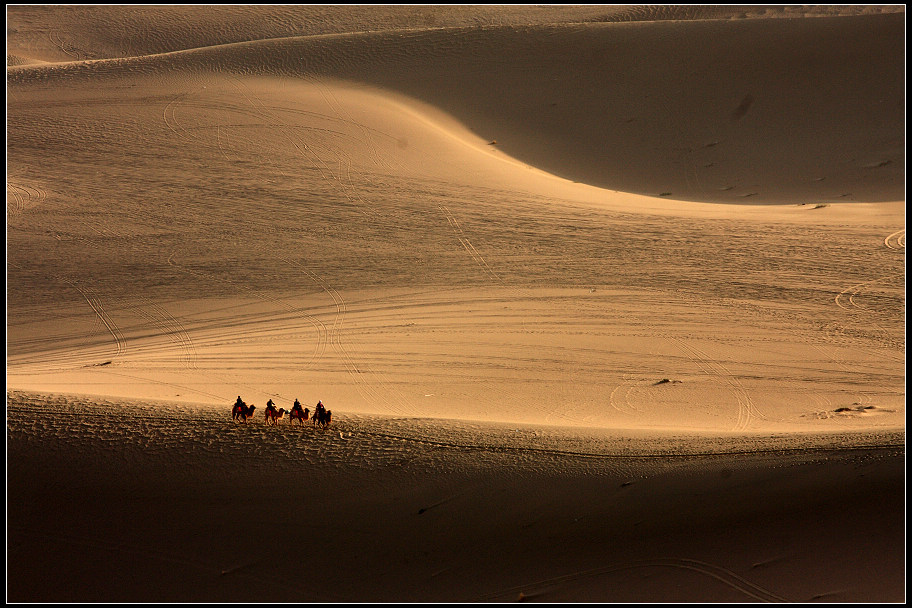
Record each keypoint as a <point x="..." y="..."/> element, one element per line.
<point x="319" y="415"/>
<point x="322" y="417"/>
<point x="274" y="414"/>
<point x="298" y="414"/>
<point x="242" y="412"/>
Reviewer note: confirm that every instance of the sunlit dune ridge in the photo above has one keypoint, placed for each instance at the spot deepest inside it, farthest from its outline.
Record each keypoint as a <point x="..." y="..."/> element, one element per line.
<point x="760" y="110"/>
<point x="62" y="33"/>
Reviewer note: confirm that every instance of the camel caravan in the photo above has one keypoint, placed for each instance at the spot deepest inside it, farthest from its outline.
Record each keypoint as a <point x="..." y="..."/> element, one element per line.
<point x="241" y="412"/>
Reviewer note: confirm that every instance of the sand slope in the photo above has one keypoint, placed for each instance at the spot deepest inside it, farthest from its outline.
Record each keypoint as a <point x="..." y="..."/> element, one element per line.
<point x="761" y="110"/>
<point x="162" y="502"/>
<point x="249" y="171"/>
<point x="608" y="302"/>
<point x="62" y="33"/>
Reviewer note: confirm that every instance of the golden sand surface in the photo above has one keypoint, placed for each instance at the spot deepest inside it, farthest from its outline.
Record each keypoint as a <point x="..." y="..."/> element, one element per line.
<point x="608" y="303"/>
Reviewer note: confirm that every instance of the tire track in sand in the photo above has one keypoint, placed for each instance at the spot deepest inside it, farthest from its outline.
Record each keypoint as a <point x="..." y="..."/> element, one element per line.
<point x="95" y="303"/>
<point x="172" y="124"/>
<point x="864" y="315"/>
<point x="623" y="390"/>
<point x="712" y="367"/>
<point x="170" y="326"/>
<point x="897" y="240"/>
<point x="846" y="298"/>
<point x="23" y="197"/>
<point x="14" y="195"/>
<point x="346" y="118"/>
<point x="359" y="372"/>
<point x="468" y="246"/>
<point x="317" y="324"/>
<point x="723" y="575"/>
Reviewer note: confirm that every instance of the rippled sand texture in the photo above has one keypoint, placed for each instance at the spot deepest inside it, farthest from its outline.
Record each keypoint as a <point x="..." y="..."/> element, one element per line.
<point x="510" y="247"/>
<point x="152" y="501"/>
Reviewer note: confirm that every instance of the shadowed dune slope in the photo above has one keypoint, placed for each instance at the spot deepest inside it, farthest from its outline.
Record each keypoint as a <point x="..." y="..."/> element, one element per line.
<point x="185" y="505"/>
<point x="756" y="110"/>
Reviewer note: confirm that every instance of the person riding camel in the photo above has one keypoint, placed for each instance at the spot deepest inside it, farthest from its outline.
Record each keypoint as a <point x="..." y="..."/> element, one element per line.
<point x="270" y="406"/>
<point x="298" y="413"/>
<point x="239" y="408"/>
<point x="318" y="412"/>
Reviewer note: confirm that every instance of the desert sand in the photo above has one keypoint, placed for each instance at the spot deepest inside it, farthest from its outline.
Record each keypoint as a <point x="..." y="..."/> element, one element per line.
<point x="608" y="303"/>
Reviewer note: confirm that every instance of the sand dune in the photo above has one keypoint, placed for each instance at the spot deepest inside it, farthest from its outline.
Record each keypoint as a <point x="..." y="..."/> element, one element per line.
<point x="60" y="33"/>
<point x="128" y="503"/>
<point x="734" y="119"/>
<point x="608" y="302"/>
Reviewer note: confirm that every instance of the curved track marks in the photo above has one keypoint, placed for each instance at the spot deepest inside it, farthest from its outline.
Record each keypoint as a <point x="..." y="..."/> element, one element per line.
<point x="846" y="298"/>
<point x="619" y="398"/>
<point x="345" y="116"/>
<point x="20" y="197"/>
<point x="318" y="325"/>
<point x="172" y="327"/>
<point x="467" y="244"/>
<point x="166" y="323"/>
<point x="897" y="240"/>
<point x="317" y="144"/>
<point x="723" y="575"/>
<point x="865" y="315"/>
<point x="714" y="368"/>
<point x="367" y="381"/>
